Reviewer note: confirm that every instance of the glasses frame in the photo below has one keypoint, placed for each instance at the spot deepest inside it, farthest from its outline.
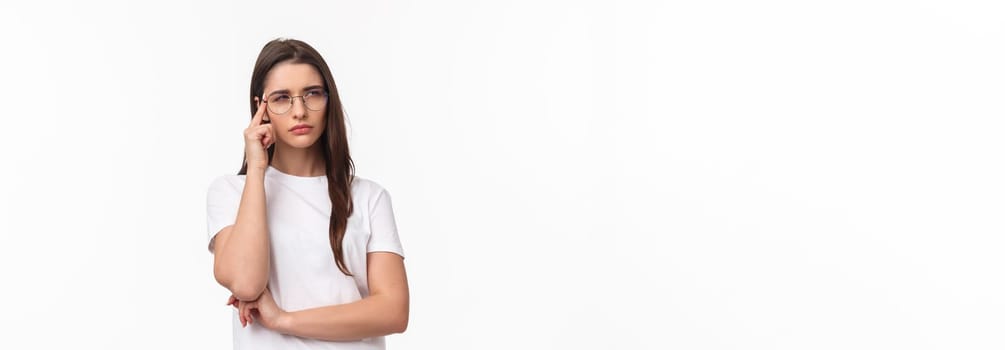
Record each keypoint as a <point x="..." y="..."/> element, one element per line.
<point x="292" y="101"/>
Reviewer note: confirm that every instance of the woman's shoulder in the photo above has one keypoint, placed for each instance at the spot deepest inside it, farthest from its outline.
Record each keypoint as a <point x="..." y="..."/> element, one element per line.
<point x="227" y="181"/>
<point x="369" y="193"/>
<point x="365" y="186"/>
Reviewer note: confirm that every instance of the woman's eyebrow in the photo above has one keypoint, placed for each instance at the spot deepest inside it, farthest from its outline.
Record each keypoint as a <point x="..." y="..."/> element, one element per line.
<point x="286" y="91"/>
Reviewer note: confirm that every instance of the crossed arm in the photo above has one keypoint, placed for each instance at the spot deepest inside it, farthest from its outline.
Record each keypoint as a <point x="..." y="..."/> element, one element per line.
<point x="384" y="311"/>
<point x="241" y="264"/>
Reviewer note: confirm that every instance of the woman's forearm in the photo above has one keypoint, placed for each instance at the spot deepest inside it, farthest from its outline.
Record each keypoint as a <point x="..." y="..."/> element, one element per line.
<point x="376" y="315"/>
<point x="243" y="259"/>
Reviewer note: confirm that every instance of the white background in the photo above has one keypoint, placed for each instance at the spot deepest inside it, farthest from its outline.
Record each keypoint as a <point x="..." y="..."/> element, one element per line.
<point x="565" y="174"/>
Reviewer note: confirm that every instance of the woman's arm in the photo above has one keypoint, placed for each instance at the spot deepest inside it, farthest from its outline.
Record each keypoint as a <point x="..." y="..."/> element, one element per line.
<point x="383" y="312"/>
<point x="241" y="251"/>
<point x="241" y="256"/>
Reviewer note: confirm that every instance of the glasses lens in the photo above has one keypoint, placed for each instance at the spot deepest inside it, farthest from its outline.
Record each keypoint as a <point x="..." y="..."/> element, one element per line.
<point x="315" y="101"/>
<point x="279" y="103"/>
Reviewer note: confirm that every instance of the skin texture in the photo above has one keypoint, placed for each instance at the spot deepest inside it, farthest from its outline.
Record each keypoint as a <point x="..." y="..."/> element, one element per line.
<point x="240" y="256"/>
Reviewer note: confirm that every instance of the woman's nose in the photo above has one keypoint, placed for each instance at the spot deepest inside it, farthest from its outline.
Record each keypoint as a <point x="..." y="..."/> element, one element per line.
<point x="299" y="109"/>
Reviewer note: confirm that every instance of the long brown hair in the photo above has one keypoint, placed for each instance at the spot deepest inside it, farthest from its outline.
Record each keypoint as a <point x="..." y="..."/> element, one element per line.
<point x="338" y="164"/>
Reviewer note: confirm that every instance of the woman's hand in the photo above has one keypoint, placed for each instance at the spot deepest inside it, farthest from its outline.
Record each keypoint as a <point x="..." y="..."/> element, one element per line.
<point x="257" y="139"/>
<point x="240" y="311"/>
<point x="263" y="310"/>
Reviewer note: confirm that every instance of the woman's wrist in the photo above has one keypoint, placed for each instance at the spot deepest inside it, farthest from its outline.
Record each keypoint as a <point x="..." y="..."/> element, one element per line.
<point x="256" y="170"/>
<point x="254" y="175"/>
<point x="284" y="322"/>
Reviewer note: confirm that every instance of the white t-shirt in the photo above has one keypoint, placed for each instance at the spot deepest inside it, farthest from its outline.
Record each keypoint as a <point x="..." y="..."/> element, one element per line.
<point x="303" y="274"/>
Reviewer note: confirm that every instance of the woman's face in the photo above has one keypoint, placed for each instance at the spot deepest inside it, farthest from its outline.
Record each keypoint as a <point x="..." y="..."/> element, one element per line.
<point x="302" y="85"/>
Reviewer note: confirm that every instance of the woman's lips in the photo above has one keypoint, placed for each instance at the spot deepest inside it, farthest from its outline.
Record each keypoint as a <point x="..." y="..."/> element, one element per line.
<point x="301" y="130"/>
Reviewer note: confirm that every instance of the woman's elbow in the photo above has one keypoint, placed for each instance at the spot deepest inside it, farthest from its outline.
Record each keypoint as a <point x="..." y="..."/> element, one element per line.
<point x="244" y="288"/>
<point x="247" y="291"/>
<point x="399" y="325"/>
<point x="399" y="322"/>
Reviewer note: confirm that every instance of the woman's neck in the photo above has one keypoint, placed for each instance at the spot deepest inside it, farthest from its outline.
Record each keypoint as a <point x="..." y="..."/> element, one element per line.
<point x="304" y="162"/>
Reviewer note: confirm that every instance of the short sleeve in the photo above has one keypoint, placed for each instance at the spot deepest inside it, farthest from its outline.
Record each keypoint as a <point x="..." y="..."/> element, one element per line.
<point x="222" y="201"/>
<point x="383" y="230"/>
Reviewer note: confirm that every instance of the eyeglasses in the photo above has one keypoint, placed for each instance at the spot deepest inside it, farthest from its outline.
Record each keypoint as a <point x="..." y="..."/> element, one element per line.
<point x="314" y="100"/>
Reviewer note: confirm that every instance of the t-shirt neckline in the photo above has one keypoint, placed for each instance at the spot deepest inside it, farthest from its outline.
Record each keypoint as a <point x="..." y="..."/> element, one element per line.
<point x="272" y="170"/>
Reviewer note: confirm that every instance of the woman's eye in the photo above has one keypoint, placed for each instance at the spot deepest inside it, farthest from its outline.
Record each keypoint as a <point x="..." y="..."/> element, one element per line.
<point x="280" y="98"/>
<point x="314" y="93"/>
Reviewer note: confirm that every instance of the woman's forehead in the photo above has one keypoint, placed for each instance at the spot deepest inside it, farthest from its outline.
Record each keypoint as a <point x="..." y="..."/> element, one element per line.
<point x="292" y="76"/>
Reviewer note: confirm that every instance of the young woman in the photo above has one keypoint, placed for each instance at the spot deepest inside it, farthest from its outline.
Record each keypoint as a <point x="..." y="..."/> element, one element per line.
<point x="309" y="251"/>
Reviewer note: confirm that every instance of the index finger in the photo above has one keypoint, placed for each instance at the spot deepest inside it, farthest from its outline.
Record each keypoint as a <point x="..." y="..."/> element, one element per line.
<point x="257" y="119"/>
